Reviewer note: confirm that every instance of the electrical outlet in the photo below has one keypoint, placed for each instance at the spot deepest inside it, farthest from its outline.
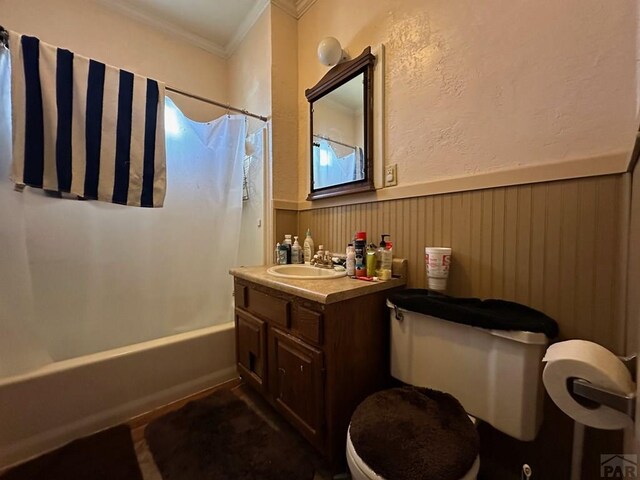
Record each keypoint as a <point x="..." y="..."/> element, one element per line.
<point x="391" y="175"/>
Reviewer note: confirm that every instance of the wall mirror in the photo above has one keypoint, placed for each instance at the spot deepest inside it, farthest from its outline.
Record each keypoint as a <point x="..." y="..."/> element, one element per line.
<point x="341" y="119"/>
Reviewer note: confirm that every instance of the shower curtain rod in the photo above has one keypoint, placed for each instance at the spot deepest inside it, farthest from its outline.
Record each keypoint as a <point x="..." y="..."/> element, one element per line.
<point x="4" y="41"/>
<point x="217" y="104"/>
<point x="334" y="141"/>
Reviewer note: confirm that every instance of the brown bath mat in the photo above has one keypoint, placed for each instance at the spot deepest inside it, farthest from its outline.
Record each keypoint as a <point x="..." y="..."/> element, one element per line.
<point x="221" y="438"/>
<point x="106" y="455"/>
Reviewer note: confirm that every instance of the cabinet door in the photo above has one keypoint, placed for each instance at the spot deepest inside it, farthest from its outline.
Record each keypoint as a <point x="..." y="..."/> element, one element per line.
<point x="297" y="383"/>
<point x="251" y="352"/>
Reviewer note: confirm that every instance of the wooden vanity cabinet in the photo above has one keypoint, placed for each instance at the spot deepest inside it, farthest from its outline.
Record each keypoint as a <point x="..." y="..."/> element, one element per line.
<point x="296" y="377"/>
<point x="313" y="362"/>
<point x="251" y="349"/>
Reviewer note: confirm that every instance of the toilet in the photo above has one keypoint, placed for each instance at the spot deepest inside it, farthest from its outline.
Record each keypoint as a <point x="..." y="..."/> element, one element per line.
<point x="461" y="360"/>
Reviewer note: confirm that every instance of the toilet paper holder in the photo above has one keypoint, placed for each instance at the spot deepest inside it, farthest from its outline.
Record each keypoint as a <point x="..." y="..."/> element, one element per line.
<point x="591" y="395"/>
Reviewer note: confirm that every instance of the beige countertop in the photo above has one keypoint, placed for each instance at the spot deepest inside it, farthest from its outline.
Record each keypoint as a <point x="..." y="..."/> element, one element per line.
<point x="322" y="291"/>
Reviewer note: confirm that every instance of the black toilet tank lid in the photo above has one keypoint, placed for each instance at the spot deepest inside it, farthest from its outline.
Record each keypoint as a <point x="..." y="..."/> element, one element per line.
<point x="491" y="313"/>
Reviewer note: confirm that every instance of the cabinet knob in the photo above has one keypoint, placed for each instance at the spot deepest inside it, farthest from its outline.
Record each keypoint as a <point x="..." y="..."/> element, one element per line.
<point x="282" y="371"/>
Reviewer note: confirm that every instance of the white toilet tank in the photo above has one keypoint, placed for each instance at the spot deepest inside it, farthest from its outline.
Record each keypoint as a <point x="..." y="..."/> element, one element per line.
<point x="495" y="374"/>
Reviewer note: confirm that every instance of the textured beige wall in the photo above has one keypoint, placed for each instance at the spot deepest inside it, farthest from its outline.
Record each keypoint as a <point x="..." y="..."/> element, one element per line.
<point x="284" y="79"/>
<point x="95" y="31"/>
<point x="481" y="86"/>
<point x="250" y="89"/>
<point x="555" y="246"/>
<point x="249" y="70"/>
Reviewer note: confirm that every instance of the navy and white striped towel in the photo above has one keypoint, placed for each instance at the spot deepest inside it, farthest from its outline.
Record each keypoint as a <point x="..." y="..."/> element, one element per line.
<point x="86" y="128"/>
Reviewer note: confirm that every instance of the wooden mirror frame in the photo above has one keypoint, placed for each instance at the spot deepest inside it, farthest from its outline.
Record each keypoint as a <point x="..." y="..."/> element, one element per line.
<point x="334" y="78"/>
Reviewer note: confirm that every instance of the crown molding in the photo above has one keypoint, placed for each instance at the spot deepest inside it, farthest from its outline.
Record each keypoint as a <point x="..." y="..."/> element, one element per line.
<point x="295" y="8"/>
<point x="223" y="51"/>
<point x="167" y="26"/>
<point x="288" y="6"/>
<point x="303" y="5"/>
<point x="246" y="26"/>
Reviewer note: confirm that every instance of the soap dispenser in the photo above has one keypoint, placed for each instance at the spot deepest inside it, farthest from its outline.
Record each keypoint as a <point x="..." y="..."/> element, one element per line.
<point x="296" y="252"/>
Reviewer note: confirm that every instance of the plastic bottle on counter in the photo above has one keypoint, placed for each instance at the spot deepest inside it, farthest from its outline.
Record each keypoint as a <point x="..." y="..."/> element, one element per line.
<point x="296" y="252"/>
<point x="287" y="242"/>
<point x="386" y="261"/>
<point x="351" y="260"/>
<point x="276" y="254"/>
<point x="308" y="248"/>
<point x="360" y="252"/>
<point x="282" y="254"/>
<point x="371" y="260"/>
<point x="382" y="251"/>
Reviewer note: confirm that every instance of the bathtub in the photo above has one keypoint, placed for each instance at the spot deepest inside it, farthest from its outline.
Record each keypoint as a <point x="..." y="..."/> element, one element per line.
<point x="46" y="408"/>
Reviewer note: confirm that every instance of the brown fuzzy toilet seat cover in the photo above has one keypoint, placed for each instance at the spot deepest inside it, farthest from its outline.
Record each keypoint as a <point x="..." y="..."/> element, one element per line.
<point x="414" y="434"/>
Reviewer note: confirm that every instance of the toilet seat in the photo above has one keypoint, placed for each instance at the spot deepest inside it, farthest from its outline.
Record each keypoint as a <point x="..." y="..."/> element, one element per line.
<point x="412" y="433"/>
<point x="361" y="471"/>
<point x="358" y="468"/>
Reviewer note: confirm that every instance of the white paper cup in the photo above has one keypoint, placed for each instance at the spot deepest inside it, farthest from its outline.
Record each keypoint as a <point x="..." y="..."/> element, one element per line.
<point x="437" y="262"/>
<point x="437" y="284"/>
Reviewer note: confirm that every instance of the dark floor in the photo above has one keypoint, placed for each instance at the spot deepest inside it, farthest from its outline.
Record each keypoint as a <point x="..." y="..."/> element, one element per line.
<point x="501" y="456"/>
<point x="266" y="440"/>
<point x="122" y="452"/>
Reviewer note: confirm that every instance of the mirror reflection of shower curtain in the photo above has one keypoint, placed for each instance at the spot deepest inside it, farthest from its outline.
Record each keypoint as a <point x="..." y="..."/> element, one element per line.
<point x="333" y="166"/>
<point x="104" y="275"/>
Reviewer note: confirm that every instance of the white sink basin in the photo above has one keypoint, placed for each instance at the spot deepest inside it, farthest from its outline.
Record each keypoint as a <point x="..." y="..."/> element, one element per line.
<point x="305" y="272"/>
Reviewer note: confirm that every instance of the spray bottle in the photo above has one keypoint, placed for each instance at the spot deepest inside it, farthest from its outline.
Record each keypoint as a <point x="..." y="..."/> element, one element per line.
<point x="360" y="251"/>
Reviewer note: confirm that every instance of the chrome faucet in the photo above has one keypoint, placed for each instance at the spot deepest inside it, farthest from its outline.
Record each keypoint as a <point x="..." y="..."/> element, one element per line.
<point x="322" y="259"/>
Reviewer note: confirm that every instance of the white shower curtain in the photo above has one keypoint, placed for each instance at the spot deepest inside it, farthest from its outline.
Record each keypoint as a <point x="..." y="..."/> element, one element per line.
<point x="21" y="349"/>
<point x="84" y="276"/>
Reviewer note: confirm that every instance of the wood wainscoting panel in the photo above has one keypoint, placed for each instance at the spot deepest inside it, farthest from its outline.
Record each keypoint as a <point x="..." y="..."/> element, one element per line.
<point x="286" y="222"/>
<point x="554" y="246"/>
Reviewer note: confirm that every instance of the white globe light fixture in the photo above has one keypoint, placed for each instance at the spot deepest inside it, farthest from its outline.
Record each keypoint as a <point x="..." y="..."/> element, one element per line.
<point x="329" y="51"/>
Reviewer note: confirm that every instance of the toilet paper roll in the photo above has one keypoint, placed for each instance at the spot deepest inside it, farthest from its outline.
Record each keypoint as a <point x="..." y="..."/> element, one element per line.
<point x="595" y="364"/>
